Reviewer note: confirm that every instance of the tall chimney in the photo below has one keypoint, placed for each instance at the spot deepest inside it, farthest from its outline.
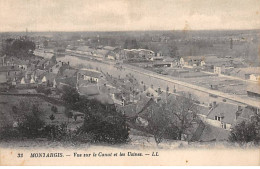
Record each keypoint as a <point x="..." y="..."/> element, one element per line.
<point x="214" y="104"/>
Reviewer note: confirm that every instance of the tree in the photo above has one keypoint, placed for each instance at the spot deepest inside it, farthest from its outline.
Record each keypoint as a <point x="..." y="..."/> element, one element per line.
<point x="245" y="131"/>
<point x="21" y="47"/>
<point x="159" y="124"/>
<point x="172" y="118"/>
<point x="106" y="125"/>
<point x="31" y="123"/>
<point x="102" y="121"/>
<point x="70" y="96"/>
<point x="183" y="112"/>
<point x="173" y="50"/>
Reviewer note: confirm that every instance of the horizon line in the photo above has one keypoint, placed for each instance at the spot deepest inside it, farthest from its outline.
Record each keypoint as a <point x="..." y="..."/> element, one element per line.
<point x="184" y="30"/>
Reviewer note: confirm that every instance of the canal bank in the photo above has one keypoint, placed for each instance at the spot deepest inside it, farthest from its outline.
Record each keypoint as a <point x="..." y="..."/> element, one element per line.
<point x="203" y="95"/>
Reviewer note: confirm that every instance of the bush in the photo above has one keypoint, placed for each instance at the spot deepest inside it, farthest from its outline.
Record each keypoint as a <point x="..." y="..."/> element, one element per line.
<point x="31" y="126"/>
<point x="56" y="132"/>
<point x="110" y="130"/>
<point x="10" y="133"/>
<point x="245" y="132"/>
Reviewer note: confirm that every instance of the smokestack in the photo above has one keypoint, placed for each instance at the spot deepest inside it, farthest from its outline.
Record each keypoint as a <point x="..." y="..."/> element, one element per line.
<point x="214" y="104"/>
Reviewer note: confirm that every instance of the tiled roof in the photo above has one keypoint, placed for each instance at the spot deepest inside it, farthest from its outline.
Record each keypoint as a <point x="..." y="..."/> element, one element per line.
<point x="225" y="110"/>
<point x="202" y="110"/>
<point x="254" y="88"/>
<point x="90" y="72"/>
<point x="129" y="110"/>
<point x="211" y="133"/>
<point x="71" y="81"/>
<point x="8" y="68"/>
<point x="142" y="104"/>
<point x="69" y="72"/>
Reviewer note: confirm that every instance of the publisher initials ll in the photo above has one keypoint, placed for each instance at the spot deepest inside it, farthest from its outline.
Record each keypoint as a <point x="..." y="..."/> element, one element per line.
<point x="155" y="154"/>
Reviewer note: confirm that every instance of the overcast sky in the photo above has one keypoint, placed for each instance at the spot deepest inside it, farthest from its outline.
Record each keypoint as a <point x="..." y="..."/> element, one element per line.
<point x="114" y="15"/>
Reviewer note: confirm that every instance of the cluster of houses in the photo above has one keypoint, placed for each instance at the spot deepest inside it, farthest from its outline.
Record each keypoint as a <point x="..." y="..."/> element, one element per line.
<point x="109" y="52"/>
<point x="218" y="118"/>
<point x="30" y="74"/>
<point x="219" y="65"/>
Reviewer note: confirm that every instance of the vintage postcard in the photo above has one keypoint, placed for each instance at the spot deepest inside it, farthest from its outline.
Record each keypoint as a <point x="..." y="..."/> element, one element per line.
<point x="129" y="82"/>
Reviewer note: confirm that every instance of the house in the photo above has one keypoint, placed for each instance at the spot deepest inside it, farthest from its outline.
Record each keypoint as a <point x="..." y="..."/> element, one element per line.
<point x="39" y="73"/>
<point x="61" y="82"/>
<point x="2" y="60"/>
<point x="101" y="53"/>
<point x="149" y="93"/>
<point x="22" y="64"/>
<point x="141" y="53"/>
<point x="48" y="79"/>
<point x="191" y="60"/>
<point x="162" y="64"/>
<point x="254" y="77"/>
<point x="112" y="55"/>
<point x="69" y="73"/>
<point x="85" y="50"/>
<point x="89" y="74"/>
<point x="56" y="68"/>
<point x="157" y="58"/>
<point x="145" y="53"/>
<point x="217" y="70"/>
<point x="11" y="72"/>
<point x="222" y="70"/>
<point x="211" y="61"/>
<point x="212" y="133"/>
<point x="223" y="115"/>
<point x="135" y="111"/>
<point x="203" y="112"/>
<point x="253" y="91"/>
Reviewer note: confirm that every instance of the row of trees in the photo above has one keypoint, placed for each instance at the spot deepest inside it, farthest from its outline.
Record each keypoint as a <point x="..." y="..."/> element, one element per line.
<point x="21" y="47"/>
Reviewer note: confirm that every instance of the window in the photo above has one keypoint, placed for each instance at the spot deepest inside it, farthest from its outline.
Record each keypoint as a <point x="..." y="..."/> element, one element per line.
<point x="223" y="125"/>
<point x="219" y="118"/>
<point x="216" y="117"/>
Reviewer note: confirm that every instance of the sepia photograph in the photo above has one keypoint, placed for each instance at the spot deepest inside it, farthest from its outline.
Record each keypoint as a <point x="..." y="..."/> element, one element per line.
<point x="129" y="82"/>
